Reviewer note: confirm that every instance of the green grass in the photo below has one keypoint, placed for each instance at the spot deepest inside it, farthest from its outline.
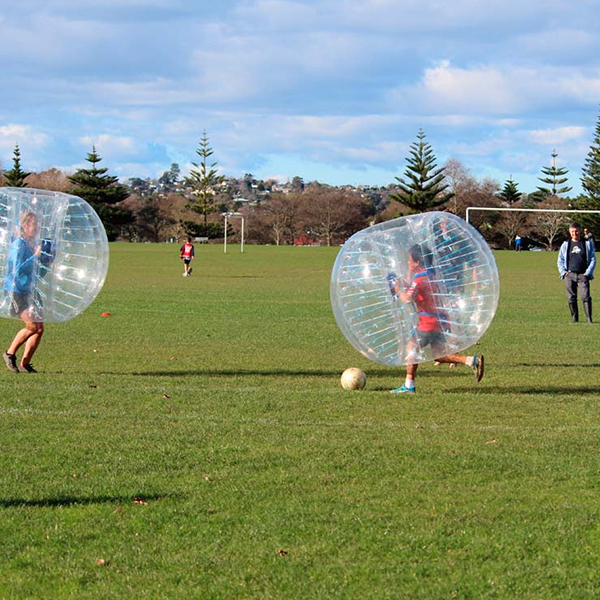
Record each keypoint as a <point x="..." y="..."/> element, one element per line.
<point x="215" y="399"/>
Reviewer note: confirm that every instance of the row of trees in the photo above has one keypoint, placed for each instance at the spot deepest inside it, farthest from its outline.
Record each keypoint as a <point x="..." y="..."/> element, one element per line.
<point x="173" y="206"/>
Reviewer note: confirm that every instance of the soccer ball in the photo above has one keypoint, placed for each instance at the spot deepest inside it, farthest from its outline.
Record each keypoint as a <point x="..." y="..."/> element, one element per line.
<point x="353" y="378"/>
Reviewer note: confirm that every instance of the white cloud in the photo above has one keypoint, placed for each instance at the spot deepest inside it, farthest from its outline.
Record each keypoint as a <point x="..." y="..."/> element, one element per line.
<point x="28" y="139"/>
<point x="157" y="92"/>
<point x="109" y="144"/>
<point x="558" y="135"/>
<point x="497" y="89"/>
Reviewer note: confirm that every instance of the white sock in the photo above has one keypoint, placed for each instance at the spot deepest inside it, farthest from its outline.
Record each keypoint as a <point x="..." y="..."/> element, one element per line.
<point x="409" y="383"/>
<point x="470" y="361"/>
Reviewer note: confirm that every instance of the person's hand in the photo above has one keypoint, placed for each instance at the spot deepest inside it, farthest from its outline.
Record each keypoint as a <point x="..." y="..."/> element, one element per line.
<point x="38" y="250"/>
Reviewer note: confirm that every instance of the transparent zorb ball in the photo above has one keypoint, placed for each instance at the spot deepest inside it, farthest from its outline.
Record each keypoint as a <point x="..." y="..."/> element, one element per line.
<point x="459" y="276"/>
<point x="54" y="273"/>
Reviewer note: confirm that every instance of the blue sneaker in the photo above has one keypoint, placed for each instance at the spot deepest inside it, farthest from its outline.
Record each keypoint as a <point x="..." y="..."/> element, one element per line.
<point x="404" y="390"/>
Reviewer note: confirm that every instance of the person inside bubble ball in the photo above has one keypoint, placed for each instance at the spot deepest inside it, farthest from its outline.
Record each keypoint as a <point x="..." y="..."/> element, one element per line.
<point x="22" y="260"/>
<point x="429" y="330"/>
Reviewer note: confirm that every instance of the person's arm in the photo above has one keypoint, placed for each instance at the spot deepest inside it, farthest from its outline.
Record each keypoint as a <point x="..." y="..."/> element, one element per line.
<point x="192" y="253"/>
<point x="561" y="263"/>
<point x="591" y="256"/>
<point x="408" y="294"/>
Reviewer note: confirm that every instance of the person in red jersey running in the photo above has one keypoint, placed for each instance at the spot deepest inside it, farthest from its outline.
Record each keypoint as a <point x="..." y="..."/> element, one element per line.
<point x="186" y="252"/>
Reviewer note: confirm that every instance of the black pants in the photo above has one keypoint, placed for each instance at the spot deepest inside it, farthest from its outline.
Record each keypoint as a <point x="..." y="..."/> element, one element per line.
<point x="574" y="282"/>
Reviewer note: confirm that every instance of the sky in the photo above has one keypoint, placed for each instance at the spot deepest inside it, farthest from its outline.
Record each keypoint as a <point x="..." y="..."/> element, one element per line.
<point x="327" y="90"/>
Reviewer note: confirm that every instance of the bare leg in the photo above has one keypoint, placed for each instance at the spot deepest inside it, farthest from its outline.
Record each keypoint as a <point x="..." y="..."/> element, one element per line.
<point x="457" y="359"/>
<point x="22" y="336"/>
<point x="31" y="345"/>
<point x="31" y="336"/>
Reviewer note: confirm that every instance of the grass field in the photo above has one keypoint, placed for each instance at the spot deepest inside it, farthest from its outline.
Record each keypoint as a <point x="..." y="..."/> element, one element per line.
<point x="196" y="444"/>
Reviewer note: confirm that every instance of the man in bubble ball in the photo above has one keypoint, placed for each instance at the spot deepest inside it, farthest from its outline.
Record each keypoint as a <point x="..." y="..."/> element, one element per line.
<point x="429" y="329"/>
<point x="22" y="260"/>
<point x="186" y="252"/>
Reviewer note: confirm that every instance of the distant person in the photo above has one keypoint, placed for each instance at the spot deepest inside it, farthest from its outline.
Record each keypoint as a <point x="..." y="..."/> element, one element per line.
<point x="22" y="262"/>
<point x="429" y="330"/>
<point x="186" y="252"/>
<point x="576" y="264"/>
<point x="588" y="235"/>
<point x="517" y="243"/>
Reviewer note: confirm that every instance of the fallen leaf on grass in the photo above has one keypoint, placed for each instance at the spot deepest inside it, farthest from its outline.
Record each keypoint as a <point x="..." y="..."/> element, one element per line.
<point x="92" y="387"/>
<point x="166" y="396"/>
<point x="173" y="358"/>
<point x="207" y="478"/>
<point x="140" y="501"/>
<point x="282" y="552"/>
<point x="105" y="314"/>
<point x="94" y="350"/>
<point x="101" y="562"/>
<point x="119" y="511"/>
<point x="494" y="441"/>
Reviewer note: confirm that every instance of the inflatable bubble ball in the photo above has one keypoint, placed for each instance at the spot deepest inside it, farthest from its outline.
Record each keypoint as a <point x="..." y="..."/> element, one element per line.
<point x="53" y="255"/>
<point x="414" y="289"/>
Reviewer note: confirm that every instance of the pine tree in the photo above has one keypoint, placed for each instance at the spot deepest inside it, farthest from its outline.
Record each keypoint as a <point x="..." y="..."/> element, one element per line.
<point x="16" y="176"/>
<point x="103" y="192"/>
<point x="590" y="182"/>
<point x="590" y="178"/>
<point x="510" y="193"/>
<point x="423" y="188"/>
<point x="554" y="178"/>
<point x="203" y="179"/>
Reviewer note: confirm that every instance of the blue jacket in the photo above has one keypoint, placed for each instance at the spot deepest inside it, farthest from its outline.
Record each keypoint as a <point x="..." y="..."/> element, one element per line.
<point x="19" y="275"/>
<point x="561" y="263"/>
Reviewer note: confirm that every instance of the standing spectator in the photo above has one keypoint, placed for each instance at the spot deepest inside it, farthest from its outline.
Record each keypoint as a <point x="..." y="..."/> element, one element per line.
<point x="186" y="252"/>
<point x="588" y="235"/>
<point x="517" y="243"/>
<point x="576" y="264"/>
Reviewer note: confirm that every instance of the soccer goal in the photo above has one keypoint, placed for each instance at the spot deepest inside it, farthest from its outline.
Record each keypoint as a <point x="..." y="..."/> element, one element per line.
<point x="228" y="216"/>
<point x="534" y="210"/>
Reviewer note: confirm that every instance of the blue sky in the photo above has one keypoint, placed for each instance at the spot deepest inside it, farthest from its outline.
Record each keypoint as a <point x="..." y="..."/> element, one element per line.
<point x="332" y="90"/>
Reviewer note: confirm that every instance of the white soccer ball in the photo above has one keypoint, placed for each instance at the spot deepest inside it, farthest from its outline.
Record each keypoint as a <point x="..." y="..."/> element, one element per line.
<point x="353" y="378"/>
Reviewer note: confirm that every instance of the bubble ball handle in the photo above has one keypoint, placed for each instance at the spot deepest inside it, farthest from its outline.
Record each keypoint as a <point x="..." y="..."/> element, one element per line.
<point x="373" y="272"/>
<point x="53" y="255"/>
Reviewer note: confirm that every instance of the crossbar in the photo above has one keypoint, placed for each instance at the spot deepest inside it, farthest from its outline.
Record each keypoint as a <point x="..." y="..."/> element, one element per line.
<point x="546" y="210"/>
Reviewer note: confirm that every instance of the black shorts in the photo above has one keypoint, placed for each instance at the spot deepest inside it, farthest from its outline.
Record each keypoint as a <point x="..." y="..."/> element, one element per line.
<point x="429" y="338"/>
<point x="18" y="303"/>
<point x="187" y="261"/>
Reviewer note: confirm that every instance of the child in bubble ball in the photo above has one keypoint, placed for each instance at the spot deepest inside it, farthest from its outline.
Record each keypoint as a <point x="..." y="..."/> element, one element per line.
<point x="22" y="259"/>
<point x="429" y="330"/>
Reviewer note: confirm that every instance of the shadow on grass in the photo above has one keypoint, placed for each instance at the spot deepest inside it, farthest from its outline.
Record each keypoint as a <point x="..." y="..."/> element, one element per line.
<point x="371" y="373"/>
<point x="61" y="501"/>
<point x="243" y="373"/>
<point x="559" y="365"/>
<point x="567" y="390"/>
<point x="391" y="372"/>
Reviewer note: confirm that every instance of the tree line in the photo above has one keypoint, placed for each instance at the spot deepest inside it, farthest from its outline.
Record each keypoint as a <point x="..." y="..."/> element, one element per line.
<point x="314" y="213"/>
